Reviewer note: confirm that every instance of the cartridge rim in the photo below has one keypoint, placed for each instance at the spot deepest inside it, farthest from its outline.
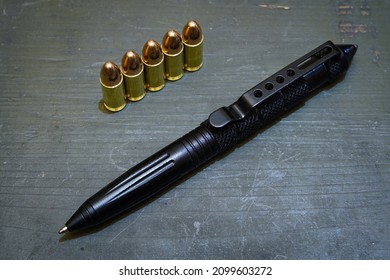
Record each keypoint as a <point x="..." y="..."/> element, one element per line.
<point x="112" y="109"/>
<point x="132" y="99"/>
<point x="178" y="77"/>
<point x="158" y="88"/>
<point x="193" y="69"/>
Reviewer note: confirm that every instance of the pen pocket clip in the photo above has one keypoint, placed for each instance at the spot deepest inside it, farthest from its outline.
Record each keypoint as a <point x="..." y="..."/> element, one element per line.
<point x="311" y="67"/>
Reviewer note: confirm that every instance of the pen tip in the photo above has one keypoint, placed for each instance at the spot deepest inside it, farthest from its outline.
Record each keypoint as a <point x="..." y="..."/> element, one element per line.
<point x="63" y="230"/>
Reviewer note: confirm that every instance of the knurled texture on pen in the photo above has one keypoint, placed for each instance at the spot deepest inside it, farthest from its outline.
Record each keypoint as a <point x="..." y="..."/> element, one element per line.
<point x="200" y="144"/>
<point x="295" y="93"/>
<point x="338" y="65"/>
<point x="259" y="117"/>
<point x="334" y="67"/>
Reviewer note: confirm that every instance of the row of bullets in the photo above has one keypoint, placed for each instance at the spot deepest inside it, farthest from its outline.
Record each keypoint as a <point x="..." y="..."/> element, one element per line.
<point x="159" y="63"/>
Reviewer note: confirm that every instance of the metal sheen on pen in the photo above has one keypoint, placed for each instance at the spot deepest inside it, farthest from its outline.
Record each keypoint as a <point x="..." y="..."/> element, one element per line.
<point x="224" y="128"/>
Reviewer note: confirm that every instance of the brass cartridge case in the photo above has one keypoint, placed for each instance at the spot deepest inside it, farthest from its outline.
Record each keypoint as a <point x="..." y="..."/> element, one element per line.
<point x="153" y="60"/>
<point x="172" y="47"/>
<point x="111" y="81"/>
<point x="132" y="70"/>
<point x="193" y="46"/>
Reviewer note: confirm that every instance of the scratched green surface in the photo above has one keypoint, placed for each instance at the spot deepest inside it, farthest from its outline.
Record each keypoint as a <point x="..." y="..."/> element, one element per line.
<point x="313" y="186"/>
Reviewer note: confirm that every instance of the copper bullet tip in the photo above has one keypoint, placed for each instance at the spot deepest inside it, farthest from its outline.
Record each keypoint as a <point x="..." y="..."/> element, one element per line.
<point x="192" y="33"/>
<point x="172" y="43"/>
<point x="110" y="74"/>
<point x="131" y="64"/>
<point x="152" y="53"/>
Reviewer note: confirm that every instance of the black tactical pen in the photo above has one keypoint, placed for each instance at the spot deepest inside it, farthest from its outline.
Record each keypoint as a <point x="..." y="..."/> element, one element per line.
<point x="223" y="129"/>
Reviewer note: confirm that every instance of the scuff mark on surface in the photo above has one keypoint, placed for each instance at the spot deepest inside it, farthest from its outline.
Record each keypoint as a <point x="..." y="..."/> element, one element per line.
<point x="271" y="6"/>
<point x="27" y="4"/>
<point x="197" y="227"/>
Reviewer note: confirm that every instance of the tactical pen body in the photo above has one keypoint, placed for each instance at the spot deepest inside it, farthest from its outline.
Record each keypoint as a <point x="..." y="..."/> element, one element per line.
<point x="223" y="129"/>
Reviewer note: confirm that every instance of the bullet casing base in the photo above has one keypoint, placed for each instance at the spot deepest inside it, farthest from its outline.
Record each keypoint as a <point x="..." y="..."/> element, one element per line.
<point x="114" y="109"/>
<point x="175" y="78"/>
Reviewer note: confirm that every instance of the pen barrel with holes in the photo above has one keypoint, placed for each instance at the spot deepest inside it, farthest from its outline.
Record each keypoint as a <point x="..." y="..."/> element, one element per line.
<point x="278" y="104"/>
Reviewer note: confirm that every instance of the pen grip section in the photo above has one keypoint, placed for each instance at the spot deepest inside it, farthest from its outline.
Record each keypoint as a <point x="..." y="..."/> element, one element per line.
<point x="200" y="145"/>
<point x="260" y="116"/>
<point x="154" y="173"/>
